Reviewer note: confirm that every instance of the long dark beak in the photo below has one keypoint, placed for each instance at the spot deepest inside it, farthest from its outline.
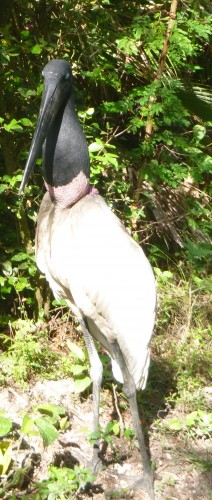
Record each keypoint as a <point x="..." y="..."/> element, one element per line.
<point x="51" y="102"/>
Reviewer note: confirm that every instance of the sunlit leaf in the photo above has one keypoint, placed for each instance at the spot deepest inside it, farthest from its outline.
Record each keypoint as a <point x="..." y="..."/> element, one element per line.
<point x="80" y="385"/>
<point x="76" y="350"/>
<point x="5" y="425"/>
<point x="46" y="430"/>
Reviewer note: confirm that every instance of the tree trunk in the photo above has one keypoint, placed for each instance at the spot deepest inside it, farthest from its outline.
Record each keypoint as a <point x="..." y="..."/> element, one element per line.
<point x="162" y="61"/>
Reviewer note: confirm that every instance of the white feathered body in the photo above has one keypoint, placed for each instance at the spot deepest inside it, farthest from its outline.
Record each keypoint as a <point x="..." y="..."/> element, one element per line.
<point x="91" y="261"/>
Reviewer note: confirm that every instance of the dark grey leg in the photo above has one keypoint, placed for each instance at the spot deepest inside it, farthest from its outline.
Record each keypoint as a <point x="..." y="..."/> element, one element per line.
<point x="96" y="377"/>
<point x="130" y="391"/>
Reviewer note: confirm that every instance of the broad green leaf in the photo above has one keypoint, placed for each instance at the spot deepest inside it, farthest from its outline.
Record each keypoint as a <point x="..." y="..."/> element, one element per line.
<point x="19" y="257"/>
<point x="26" y="122"/>
<point x="191" y="418"/>
<point x="47" y="430"/>
<point x="25" y="33"/>
<point x="27" y="425"/>
<point x="116" y="428"/>
<point x="51" y="409"/>
<point x="81" y="385"/>
<point x="37" y="49"/>
<point x="5" y="425"/>
<point x="175" y="424"/>
<point x="77" y="369"/>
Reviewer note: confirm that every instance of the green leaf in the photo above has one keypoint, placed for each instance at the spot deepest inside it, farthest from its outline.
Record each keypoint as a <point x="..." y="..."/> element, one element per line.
<point x="199" y="132"/>
<point x="26" y="122"/>
<point x="64" y="424"/>
<point x="90" y="111"/>
<point x="191" y="418"/>
<point x="76" y="350"/>
<point x="94" y="146"/>
<point x="116" y="428"/>
<point x="5" y="456"/>
<point x="129" y="433"/>
<point x="77" y="369"/>
<point x="47" y="431"/>
<point x="27" y="425"/>
<point x="5" y="425"/>
<point x="19" y="257"/>
<point x="50" y="409"/>
<point x="13" y="126"/>
<point x="60" y="303"/>
<point x="81" y="385"/>
<point x="37" y="49"/>
<point x="175" y="424"/>
<point x="206" y="164"/>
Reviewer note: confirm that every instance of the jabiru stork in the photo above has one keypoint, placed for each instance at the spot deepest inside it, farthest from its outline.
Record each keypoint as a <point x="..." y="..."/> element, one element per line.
<point x="87" y="255"/>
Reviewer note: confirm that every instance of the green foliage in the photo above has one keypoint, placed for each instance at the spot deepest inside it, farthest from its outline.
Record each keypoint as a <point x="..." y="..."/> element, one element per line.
<point x="5" y="456"/>
<point x="182" y="347"/>
<point x="197" y="424"/>
<point x="5" y="424"/>
<point x="27" y="353"/>
<point x="45" y="421"/>
<point x="79" y="367"/>
<point x="63" y="482"/>
<point x="112" y="429"/>
<point x="52" y="417"/>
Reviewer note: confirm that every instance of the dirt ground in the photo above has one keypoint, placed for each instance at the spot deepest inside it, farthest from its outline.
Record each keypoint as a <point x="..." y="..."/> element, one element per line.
<point x="178" y="475"/>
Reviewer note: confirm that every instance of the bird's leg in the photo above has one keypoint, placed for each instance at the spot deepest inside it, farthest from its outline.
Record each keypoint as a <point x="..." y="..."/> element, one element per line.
<point x="130" y="390"/>
<point x="96" y="377"/>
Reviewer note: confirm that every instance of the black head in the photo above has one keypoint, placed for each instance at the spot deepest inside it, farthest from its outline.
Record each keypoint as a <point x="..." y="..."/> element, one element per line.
<point x="57" y="90"/>
<point x="60" y="70"/>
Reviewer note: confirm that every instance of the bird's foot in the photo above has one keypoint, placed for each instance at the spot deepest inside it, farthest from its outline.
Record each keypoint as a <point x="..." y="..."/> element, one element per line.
<point x="145" y="483"/>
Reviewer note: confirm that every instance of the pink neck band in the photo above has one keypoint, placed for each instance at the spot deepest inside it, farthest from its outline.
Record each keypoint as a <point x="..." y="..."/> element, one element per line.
<point x="65" y="196"/>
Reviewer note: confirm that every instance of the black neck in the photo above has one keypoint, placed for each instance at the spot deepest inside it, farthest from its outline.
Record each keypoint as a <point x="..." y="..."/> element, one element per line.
<point x="65" y="151"/>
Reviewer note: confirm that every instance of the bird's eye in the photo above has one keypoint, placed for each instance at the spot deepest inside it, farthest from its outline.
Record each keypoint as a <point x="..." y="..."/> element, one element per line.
<point x="67" y="76"/>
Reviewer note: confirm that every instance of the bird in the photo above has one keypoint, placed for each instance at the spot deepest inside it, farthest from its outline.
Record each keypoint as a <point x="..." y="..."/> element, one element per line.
<point x="88" y="256"/>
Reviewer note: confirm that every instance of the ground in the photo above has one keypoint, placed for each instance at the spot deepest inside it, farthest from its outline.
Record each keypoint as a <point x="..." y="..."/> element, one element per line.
<point x="178" y="471"/>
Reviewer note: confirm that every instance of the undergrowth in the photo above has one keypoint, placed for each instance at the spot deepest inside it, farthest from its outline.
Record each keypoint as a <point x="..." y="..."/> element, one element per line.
<point x="176" y="400"/>
<point x="27" y="353"/>
<point x="181" y="352"/>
